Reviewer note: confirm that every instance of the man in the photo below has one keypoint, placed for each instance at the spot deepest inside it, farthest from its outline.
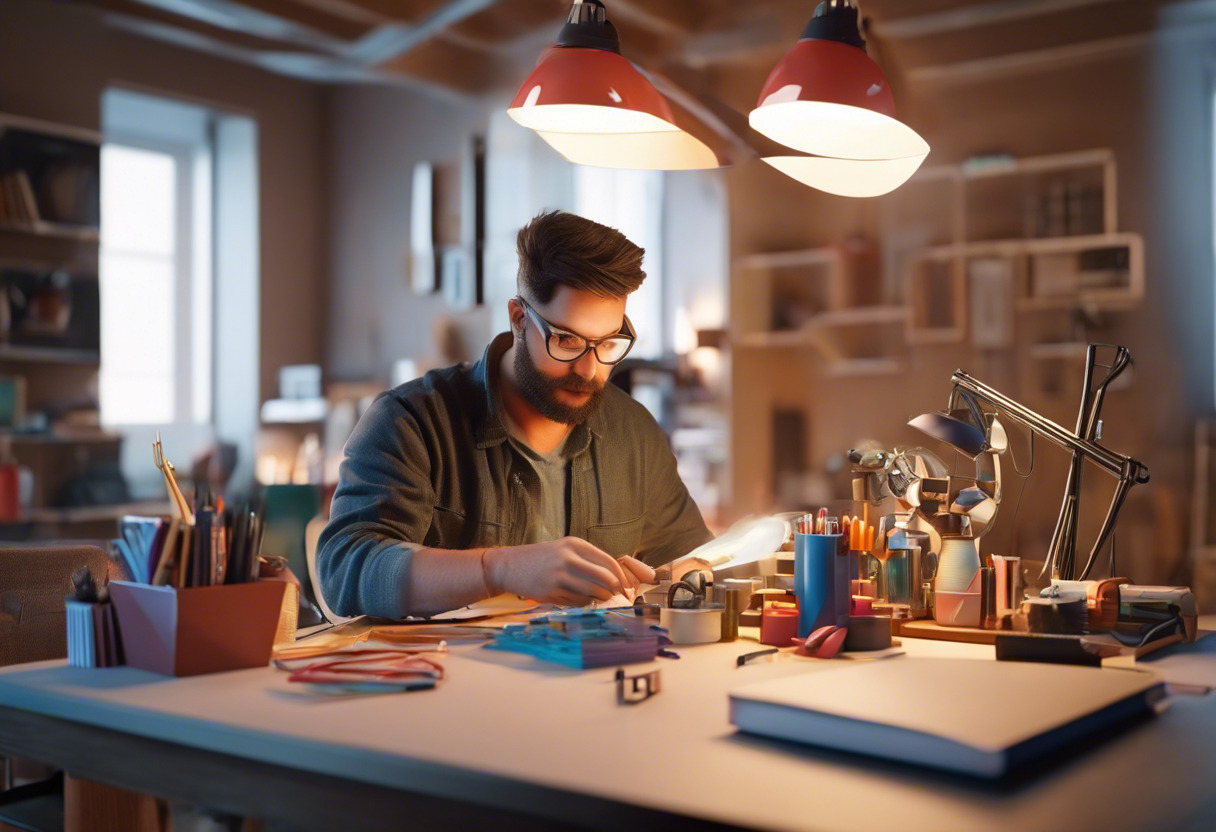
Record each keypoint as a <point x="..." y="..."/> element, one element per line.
<point x="524" y="472"/>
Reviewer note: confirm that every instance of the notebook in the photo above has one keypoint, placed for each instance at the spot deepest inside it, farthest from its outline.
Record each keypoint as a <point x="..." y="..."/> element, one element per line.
<point x="981" y="718"/>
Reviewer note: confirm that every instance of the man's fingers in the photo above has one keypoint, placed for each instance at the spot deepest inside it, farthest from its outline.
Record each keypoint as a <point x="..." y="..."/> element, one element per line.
<point x="586" y="570"/>
<point x="597" y="557"/>
<point x="588" y="590"/>
<point x="640" y="572"/>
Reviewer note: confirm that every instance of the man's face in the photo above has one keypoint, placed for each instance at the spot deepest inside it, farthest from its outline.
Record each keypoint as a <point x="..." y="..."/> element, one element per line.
<point x="564" y="391"/>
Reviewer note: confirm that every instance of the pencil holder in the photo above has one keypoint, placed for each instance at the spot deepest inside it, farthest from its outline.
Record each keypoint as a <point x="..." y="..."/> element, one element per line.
<point x="185" y="632"/>
<point x="821" y="581"/>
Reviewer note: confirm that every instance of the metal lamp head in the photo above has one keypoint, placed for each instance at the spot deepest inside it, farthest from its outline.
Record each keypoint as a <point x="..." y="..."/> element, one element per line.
<point x="964" y="429"/>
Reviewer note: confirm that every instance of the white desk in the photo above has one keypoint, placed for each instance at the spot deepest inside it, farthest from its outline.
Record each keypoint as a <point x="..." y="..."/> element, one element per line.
<point x="532" y="742"/>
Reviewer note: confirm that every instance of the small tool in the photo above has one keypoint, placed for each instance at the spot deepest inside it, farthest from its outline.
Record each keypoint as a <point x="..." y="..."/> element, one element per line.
<point x="747" y="657"/>
<point x="166" y="468"/>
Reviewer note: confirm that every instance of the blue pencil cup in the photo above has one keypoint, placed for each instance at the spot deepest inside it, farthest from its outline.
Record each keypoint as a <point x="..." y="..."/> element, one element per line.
<point x="821" y="582"/>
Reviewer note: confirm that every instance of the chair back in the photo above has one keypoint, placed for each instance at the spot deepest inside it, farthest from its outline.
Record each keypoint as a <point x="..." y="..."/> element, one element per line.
<point x="33" y="585"/>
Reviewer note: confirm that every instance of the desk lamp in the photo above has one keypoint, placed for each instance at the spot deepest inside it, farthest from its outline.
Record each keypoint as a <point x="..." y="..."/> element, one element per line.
<point x="962" y="429"/>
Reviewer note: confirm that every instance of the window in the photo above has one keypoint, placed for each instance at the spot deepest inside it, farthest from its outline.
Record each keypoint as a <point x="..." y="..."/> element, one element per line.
<point x="155" y="263"/>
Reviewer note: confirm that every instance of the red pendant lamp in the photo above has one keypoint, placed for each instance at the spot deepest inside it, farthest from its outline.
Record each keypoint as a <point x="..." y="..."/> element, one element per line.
<point x="594" y="106"/>
<point x="827" y="98"/>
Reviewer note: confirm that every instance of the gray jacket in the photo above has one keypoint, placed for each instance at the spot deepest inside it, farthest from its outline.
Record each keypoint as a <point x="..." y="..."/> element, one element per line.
<point x="429" y="464"/>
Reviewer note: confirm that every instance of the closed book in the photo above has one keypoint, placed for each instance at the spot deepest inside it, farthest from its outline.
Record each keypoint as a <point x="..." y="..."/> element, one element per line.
<point x="976" y="717"/>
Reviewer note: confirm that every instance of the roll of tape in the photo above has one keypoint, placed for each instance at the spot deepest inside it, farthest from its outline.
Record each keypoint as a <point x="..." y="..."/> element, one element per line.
<point x="701" y="626"/>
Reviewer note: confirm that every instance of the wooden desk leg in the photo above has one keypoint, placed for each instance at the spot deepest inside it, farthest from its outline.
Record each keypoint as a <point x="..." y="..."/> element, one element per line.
<point x="95" y="807"/>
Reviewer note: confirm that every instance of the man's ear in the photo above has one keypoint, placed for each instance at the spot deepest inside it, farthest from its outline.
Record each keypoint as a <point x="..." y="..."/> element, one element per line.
<point x="515" y="311"/>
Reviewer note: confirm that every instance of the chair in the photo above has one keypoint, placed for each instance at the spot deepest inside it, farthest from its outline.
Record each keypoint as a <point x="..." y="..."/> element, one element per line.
<point x="33" y="627"/>
<point x="312" y="534"/>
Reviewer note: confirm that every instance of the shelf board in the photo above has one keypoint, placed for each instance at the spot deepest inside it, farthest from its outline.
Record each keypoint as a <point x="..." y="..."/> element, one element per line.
<point x="864" y="367"/>
<point x="1014" y="166"/>
<point x="860" y="316"/>
<point x="55" y="231"/>
<point x="1029" y="246"/>
<point x="79" y="438"/>
<point x="93" y="514"/>
<point x="1069" y="350"/>
<point x="782" y="338"/>
<point x="34" y="125"/>
<point x="827" y="256"/>
<point x="294" y="411"/>
<point x="48" y="355"/>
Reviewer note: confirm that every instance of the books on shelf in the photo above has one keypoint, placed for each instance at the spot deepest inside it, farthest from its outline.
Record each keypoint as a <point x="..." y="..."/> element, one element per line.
<point x="17" y="203"/>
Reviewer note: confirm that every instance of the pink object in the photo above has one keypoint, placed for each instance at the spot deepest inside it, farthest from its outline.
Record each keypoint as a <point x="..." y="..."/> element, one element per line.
<point x="957" y="609"/>
<point x="778" y="625"/>
<point x="823" y="643"/>
<point x="862" y="605"/>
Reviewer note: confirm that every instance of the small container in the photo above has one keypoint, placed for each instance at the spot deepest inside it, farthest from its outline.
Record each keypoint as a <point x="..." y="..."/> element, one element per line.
<point x="779" y="624"/>
<point x="699" y="626"/>
<point x="185" y="632"/>
<point x="732" y="601"/>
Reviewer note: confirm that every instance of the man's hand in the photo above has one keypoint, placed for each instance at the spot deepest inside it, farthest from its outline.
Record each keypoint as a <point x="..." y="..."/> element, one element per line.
<point x="636" y="574"/>
<point x="569" y="571"/>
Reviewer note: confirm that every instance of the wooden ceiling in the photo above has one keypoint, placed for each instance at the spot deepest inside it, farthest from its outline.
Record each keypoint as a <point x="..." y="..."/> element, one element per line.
<point x="709" y="56"/>
<point x="479" y="46"/>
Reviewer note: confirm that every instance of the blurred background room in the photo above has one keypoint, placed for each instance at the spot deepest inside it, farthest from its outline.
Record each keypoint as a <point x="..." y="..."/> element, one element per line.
<point x="234" y="222"/>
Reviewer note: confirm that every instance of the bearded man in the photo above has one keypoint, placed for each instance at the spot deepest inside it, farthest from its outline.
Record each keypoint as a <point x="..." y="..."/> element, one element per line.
<point x="524" y="472"/>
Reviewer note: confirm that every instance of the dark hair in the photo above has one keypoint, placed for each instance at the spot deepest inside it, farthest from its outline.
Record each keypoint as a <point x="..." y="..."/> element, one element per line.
<point x="560" y="249"/>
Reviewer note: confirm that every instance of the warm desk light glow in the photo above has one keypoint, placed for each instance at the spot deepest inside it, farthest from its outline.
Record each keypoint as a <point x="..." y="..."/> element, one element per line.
<point x="594" y="106"/>
<point x="669" y="150"/>
<point x="827" y="98"/>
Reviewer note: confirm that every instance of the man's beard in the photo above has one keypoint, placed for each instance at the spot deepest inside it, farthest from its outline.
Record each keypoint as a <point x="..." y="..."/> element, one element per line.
<point x="540" y="390"/>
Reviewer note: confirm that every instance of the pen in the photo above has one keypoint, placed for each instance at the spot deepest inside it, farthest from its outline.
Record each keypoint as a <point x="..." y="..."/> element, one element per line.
<point x="747" y="657"/>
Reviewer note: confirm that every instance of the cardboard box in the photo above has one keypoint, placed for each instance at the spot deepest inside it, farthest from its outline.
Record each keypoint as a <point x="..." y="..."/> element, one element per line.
<point x="185" y="632"/>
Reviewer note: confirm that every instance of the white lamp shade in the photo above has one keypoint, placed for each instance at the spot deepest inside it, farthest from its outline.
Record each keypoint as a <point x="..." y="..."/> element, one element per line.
<point x="840" y="131"/>
<point x="588" y="118"/>
<point x="848" y="177"/>
<point x="666" y="150"/>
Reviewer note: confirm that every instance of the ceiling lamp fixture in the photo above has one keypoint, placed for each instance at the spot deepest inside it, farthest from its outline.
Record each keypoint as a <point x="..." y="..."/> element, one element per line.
<point x="826" y="97"/>
<point x="594" y="106"/>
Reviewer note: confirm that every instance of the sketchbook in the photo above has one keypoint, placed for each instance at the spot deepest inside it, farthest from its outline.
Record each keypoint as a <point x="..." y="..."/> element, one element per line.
<point x="981" y="718"/>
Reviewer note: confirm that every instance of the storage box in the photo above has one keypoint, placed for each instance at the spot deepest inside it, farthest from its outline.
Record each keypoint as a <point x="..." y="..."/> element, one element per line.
<point x="185" y="632"/>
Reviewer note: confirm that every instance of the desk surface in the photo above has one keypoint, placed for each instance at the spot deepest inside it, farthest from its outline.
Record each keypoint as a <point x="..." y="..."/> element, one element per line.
<point x="533" y="740"/>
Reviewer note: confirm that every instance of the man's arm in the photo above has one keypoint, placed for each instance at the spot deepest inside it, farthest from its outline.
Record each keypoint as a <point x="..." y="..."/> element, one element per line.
<point x="370" y="559"/>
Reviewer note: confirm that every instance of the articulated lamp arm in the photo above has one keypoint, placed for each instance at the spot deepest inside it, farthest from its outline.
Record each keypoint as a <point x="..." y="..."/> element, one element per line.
<point x="1126" y="470"/>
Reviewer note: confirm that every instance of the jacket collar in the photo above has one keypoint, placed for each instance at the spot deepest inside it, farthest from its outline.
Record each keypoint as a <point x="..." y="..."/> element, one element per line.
<point x="492" y="430"/>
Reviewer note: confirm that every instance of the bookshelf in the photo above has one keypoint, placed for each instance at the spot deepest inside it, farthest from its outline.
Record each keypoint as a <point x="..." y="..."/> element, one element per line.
<point x="50" y="216"/>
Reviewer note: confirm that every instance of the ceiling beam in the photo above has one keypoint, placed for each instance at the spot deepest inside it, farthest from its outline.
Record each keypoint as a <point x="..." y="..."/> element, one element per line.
<point x="393" y="41"/>
<point x="318" y="68"/>
<point x="236" y="17"/>
<point x="1024" y="63"/>
<point x="978" y="15"/>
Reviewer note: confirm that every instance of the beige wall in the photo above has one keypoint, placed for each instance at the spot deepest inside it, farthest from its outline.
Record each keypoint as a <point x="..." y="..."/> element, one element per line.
<point x="1110" y="102"/>
<point x="57" y="59"/>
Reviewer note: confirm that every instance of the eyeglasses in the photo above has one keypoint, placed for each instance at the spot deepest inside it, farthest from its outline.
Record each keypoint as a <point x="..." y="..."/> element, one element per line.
<point x="569" y="346"/>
